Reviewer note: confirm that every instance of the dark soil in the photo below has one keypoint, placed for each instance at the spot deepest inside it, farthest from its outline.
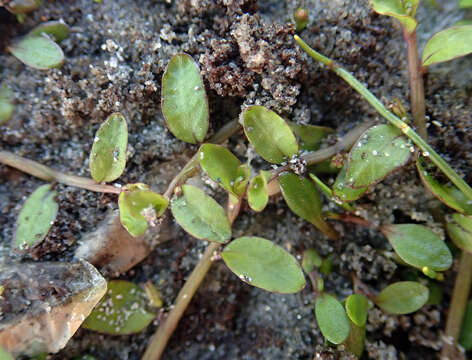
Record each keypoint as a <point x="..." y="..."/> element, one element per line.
<point x="115" y="58"/>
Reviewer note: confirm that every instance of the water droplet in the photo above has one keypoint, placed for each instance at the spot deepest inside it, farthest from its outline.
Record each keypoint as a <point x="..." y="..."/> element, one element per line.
<point x="202" y="155"/>
<point x="96" y="139"/>
<point x="374" y="152"/>
<point x="196" y="88"/>
<point x="249" y="128"/>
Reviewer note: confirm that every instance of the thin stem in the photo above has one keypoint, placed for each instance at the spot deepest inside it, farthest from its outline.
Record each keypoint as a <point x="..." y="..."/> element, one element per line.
<point x="164" y="332"/>
<point x="416" y="84"/>
<point x="45" y="173"/>
<point x="460" y="294"/>
<point x="408" y="131"/>
<point x="325" y="189"/>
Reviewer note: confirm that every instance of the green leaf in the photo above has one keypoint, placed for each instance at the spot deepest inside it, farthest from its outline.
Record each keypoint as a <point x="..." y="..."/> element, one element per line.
<point x="269" y="134"/>
<point x="403" y="297"/>
<point x="435" y="293"/>
<point x="449" y="195"/>
<point x="39" y="52"/>
<point x="108" y="155"/>
<point x="311" y="260"/>
<point x="303" y="199"/>
<point x="447" y="45"/>
<point x="140" y="207"/>
<point x="36" y="218"/>
<point x="121" y="311"/>
<point x="57" y="29"/>
<point x="379" y="151"/>
<point x="465" y="338"/>
<point x="184" y="100"/>
<point x="465" y="4"/>
<point x="355" y="341"/>
<point x="403" y="11"/>
<point x="331" y="318"/>
<point x="261" y="263"/>
<point x="357" y="307"/>
<point x="5" y="355"/>
<point x="200" y="215"/>
<point x="310" y="136"/>
<point x="344" y="193"/>
<point x="460" y="231"/>
<point x="257" y="194"/>
<point x="19" y="7"/>
<point x="242" y="180"/>
<point x="220" y="165"/>
<point x="418" y="246"/>
<point x="6" y="106"/>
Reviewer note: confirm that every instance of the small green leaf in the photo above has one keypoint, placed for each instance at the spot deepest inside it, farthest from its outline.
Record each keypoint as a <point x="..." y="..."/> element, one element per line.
<point x="357" y="307"/>
<point x="269" y="134"/>
<point x="355" y="341"/>
<point x="435" y="293"/>
<point x="184" y="100"/>
<point x="403" y="297"/>
<point x="418" y="246"/>
<point x="449" y="195"/>
<point x="20" y="7"/>
<point x="140" y="207"/>
<point x="447" y="45"/>
<point x="6" y="106"/>
<point x="311" y="260"/>
<point x="242" y="180"/>
<point x="460" y="231"/>
<point x="310" y="136"/>
<point x="344" y="193"/>
<point x="261" y="263"/>
<point x="379" y="151"/>
<point x="331" y="318"/>
<point x="403" y="11"/>
<point x="303" y="199"/>
<point x="57" y="29"/>
<point x="465" y="338"/>
<point x="121" y="311"/>
<point x="200" y="215"/>
<point x="39" y="52"/>
<point x="465" y="4"/>
<point x="108" y="155"/>
<point x="257" y="194"/>
<point x="220" y="165"/>
<point x="36" y="218"/>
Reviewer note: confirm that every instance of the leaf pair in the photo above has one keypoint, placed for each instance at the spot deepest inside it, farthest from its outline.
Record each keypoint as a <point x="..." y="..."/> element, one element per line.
<point x="39" y="49"/>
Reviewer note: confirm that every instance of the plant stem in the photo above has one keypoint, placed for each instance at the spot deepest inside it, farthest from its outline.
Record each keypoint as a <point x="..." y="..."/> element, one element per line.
<point x="325" y="189"/>
<point x="428" y="151"/>
<point x="161" y="337"/>
<point x="45" y="173"/>
<point x="416" y="84"/>
<point x="460" y="294"/>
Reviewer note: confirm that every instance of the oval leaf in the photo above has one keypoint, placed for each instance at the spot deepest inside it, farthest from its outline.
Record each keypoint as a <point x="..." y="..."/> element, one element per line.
<point x="140" y="207"/>
<point x="331" y="318"/>
<point x="357" y="307"/>
<point x="460" y="231"/>
<point x="258" y="193"/>
<point x="108" y="155"/>
<point x="269" y="134"/>
<point x="200" y="215"/>
<point x="378" y="152"/>
<point x="39" y="52"/>
<point x="449" y="195"/>
<point x="418" y="246"/>
<point x="310" y="135"/>
<point x="447" y="45"/>
<point x="465" y="338"/>
<point x="403" y="11"/>
<point x="261" y="263"/>
<point x="121" y="311"/>
<point x="19" y="7"/>
<point x="303" y="199"/>
<point x="403" y="297"/>
<point x="36" y="218"/>
<point x="184" y="100"/>
<point x="465" y="4"/>
<point x="220" y="165"/>
<point x="57" y="29"/>
<point x="355" y="341"/>
<point x="6" y="106"/>
<point x="344" y="193"/>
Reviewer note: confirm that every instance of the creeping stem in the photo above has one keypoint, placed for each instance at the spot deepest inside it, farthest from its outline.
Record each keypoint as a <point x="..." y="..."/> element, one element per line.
<point x="394" y="120"/>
